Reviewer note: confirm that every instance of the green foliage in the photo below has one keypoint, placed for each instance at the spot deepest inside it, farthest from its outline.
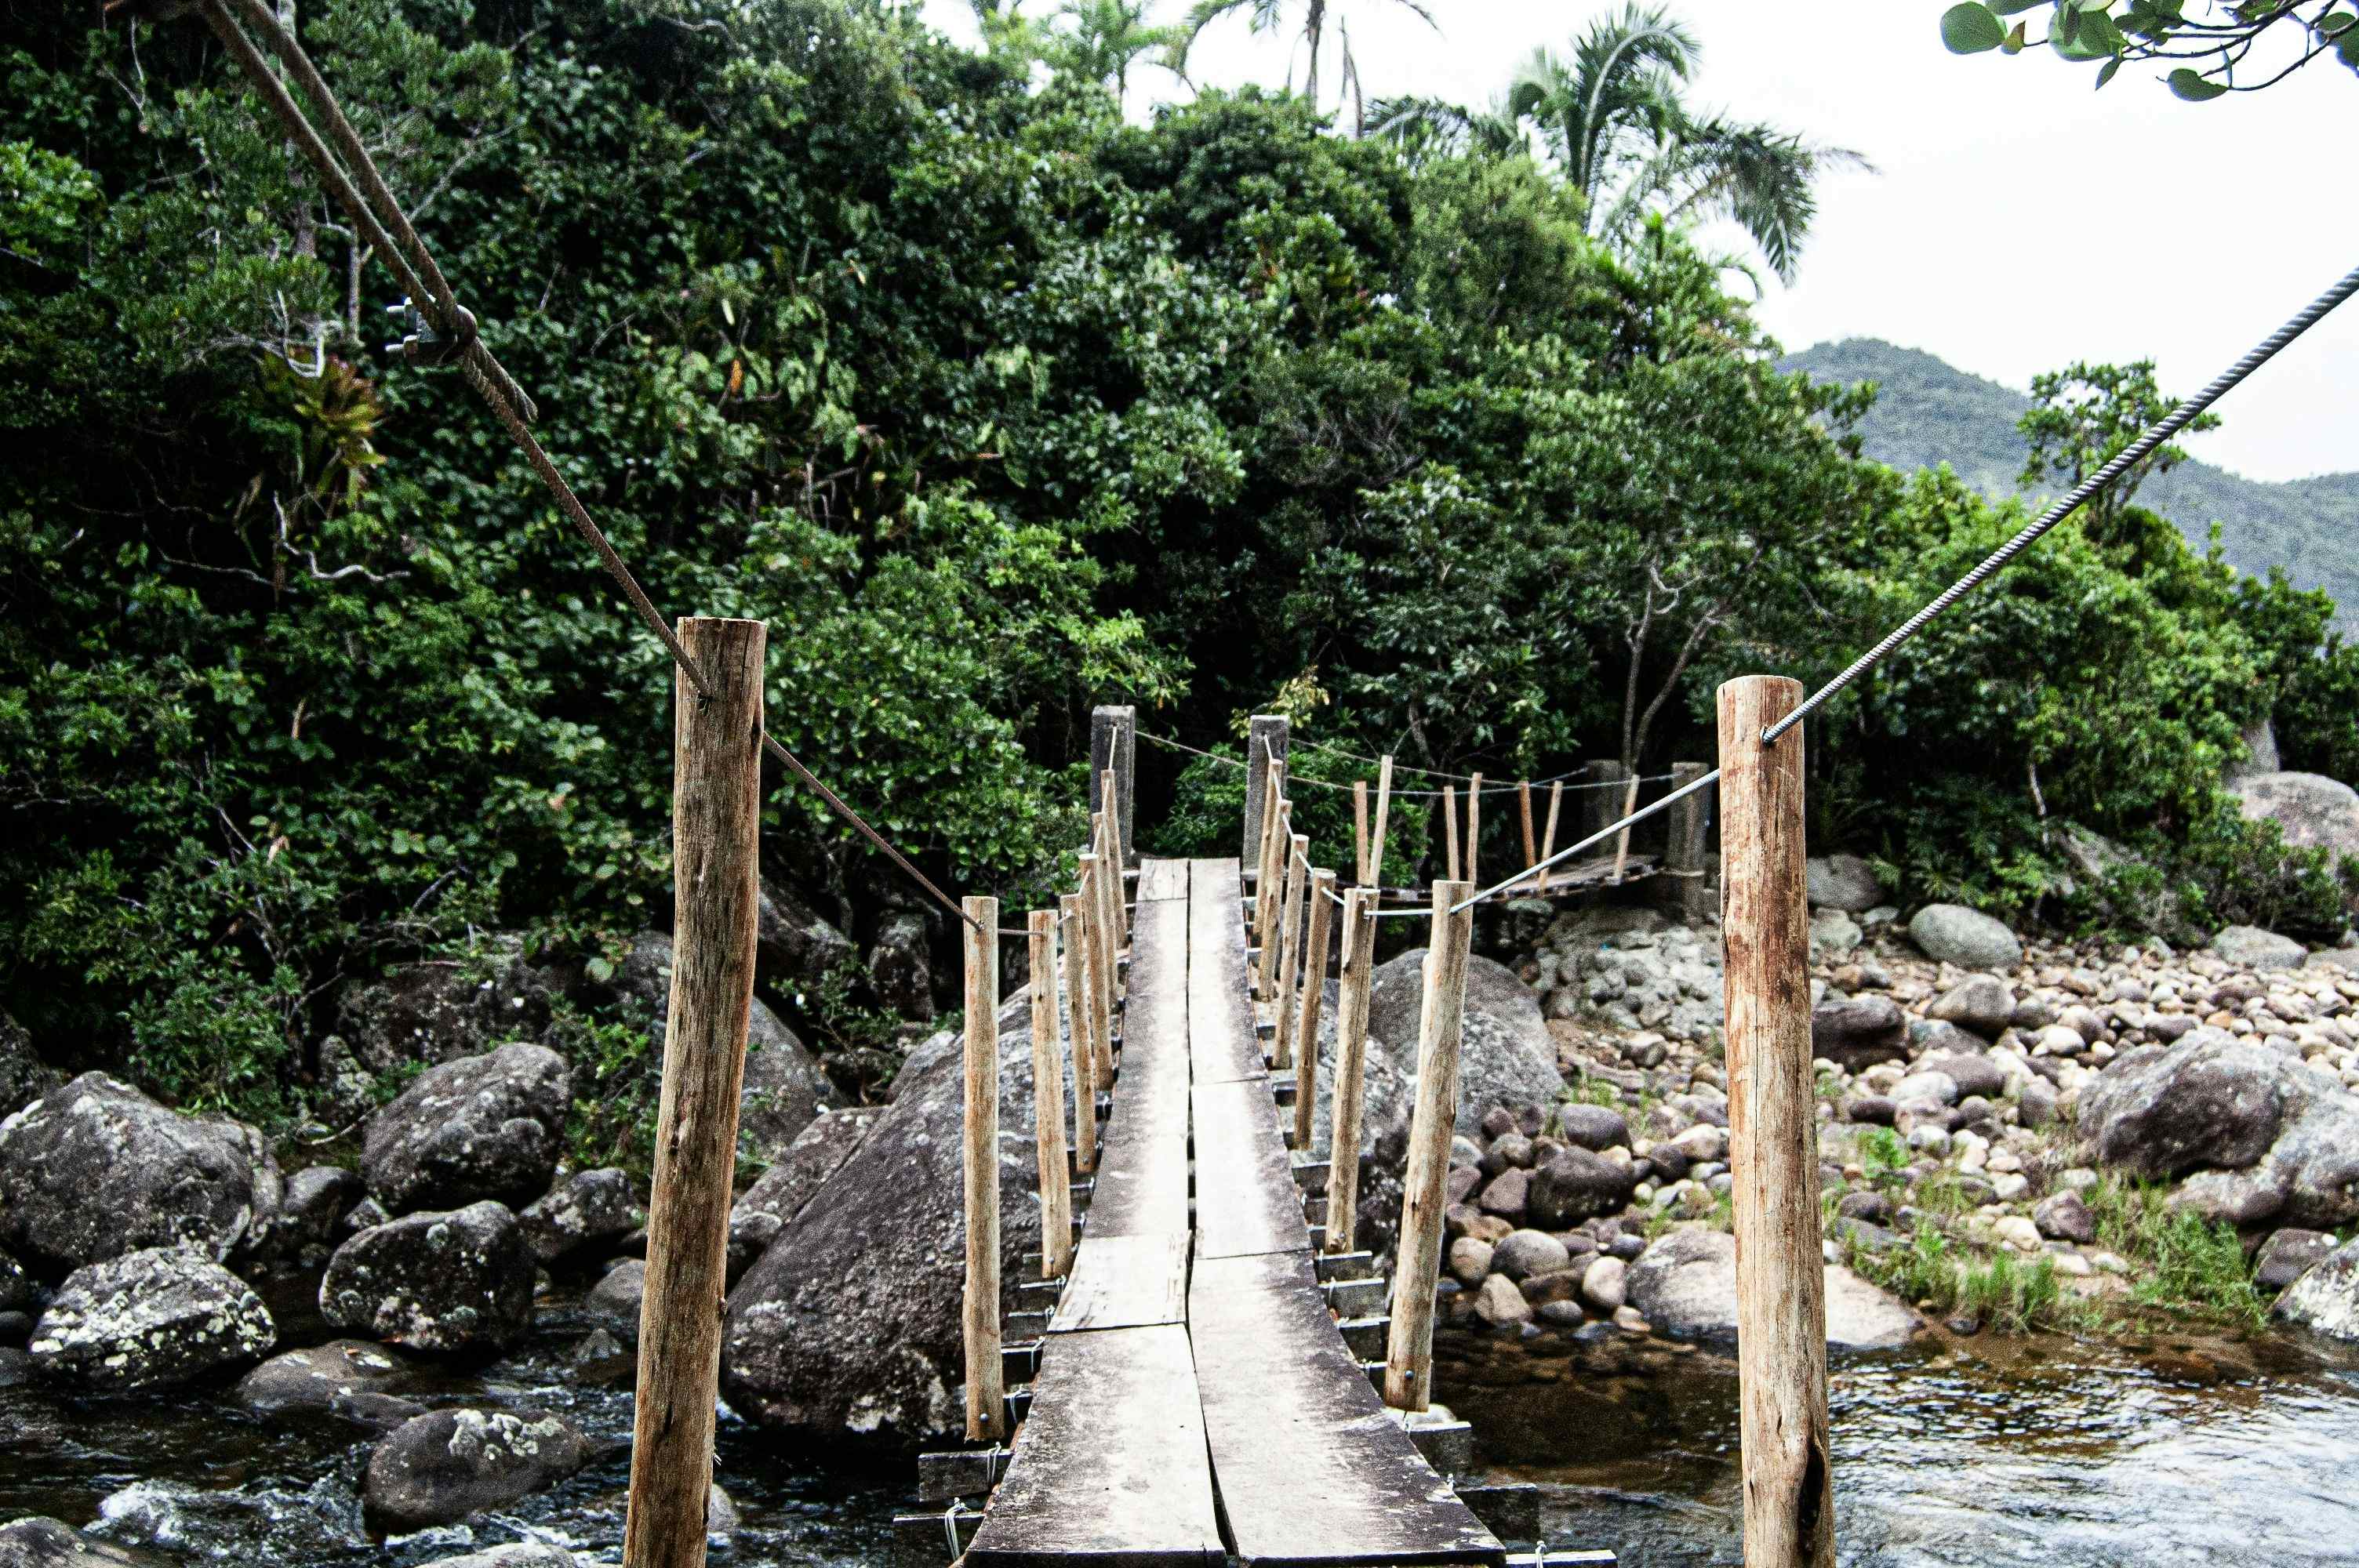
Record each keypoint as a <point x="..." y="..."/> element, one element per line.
<point x="2241" y="46"/>
<point x="1883" y="1154"/>
<point x="1208" y="811"/>
<point x="2194" y="1266"/>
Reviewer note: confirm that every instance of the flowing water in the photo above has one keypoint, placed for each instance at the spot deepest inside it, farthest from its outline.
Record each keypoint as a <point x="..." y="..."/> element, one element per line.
<point x="1978" y="1455"/>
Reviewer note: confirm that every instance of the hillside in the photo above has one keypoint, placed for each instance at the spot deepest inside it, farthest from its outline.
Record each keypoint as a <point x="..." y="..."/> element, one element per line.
<point x="1931" y="411"/>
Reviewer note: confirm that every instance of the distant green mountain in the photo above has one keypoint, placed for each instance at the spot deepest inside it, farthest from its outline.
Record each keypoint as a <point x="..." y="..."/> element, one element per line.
<point x="1929" y="411"/>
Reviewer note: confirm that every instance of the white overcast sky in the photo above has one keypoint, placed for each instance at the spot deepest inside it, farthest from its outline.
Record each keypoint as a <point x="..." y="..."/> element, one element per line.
<point x="2017" y="220"/>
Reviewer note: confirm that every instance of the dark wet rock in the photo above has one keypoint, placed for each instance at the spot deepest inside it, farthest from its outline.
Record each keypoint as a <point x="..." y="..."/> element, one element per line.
<point x="1507" y="1194"/>
<point x="1578" y="1184"/>
<point x="2062" y="1217"/>
<point x="900" y="967"/>
<point x="588" y="1209"/>
<point x="720" y="1512"/>
<point x="46" y="1543"/>
<point x="783" y="1086"/>
<point x="1594" y="1126"/>
<point x="1859" y="1031"/>
<point x="15" y="1327"/>
<point x="1980" y="1003"/>
<point x="795" y="946"/>
<point x="365" y="1215"/>
<point x="1524" y="1254"/>
<point x="1873" y="1208"/>
<point x="522" y="1554"/>
<point x="461" y="1281"/>
<point x="1685" y="1287"/>
<point x="316" y="1377"/>
<point x="2287" y="1255"/>
<point x="441" y="1010"/>
<point x="97" y="1169"/>
<point x="1507" y="1150"/>
<point x="302" y="1232"/>
<point x="23" y="1078"/>
<point x="482" y="1127"/>
<point x="849" y="1322"/>
<point x="379" y="1413"/>
<point x="614" y="1303"/>
<point x="2325" y="1297"/>
<point x="1952" y="934"/>
<point x="16" y="1286"/>
<point x="816" y="1153"/>
<point x="1973" y="1075"/>
<point x="447" y="1465"/>
<point x="1874" y="1110"/>
<point x="149" y="1319"/>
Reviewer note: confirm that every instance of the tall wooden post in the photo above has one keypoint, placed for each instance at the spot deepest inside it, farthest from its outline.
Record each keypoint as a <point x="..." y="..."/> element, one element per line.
<point x="1289" y="960"/>
<point x="1597" y="811"/>
<point x="1267" y="869"/>
<point x="1622" y="839"/>
<point x="1266" y="739"/>
<point x="1360" y="831"/>
<point x="1117" y="853"/>
<point x="1049" y="1101"/>
<point x="1271" y="900"/>
<point x="1473" y="824"/>
<point x="1781" y="1321"/>
<point x="1450" y="829"/>
<point x="1409" y="1359"/>
<point x="1687" y="884"/>
<point x="716" y="814"/>
<point x="1114" y="749"/>
<point x="1548" y="841"/>
<point x="1351" y="1066"/>
<point x="1375" y="877"/>
<point x="1321" y="898"/>
<point x="1077" y="1015"/>
<point x="986" y="1401"/>
<point x="1099" y="968"/>
<point x="1524" y="810"/>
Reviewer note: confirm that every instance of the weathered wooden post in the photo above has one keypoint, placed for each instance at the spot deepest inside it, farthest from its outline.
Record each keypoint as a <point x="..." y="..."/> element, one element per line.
<point x="1524" y="810"/>
<point x="1289" y="960"/>
<point x="1473" y="824"/>
<point x="1359" y="830"/>
<point x="1049" y="1101"/>
<point x="1687" y="884"/>
<point x="1118" y="855"/>
<point x="1099" y="982"/>
<point x="1114" y="749"/>
<point x="1267" y="868"/>
<point x="1077" y="1015"/>
<point x="1351" y="1066"/>
<point x="1781" y="1321"/>
<point x="716" y="814"/>
<point x="1272" y="900"/>
<point x="1450" y="829"/>
<point x="1597" y="811"/>
<point x="1622" y="839"/>
<point x="986" y="1398"/>
<point x="1548" y="842"/>
<point x="1321" y="896"/>
<point x="1409" y="1359"/>
<point x="1265" y="741"/>
<point x="1375" y="877"/>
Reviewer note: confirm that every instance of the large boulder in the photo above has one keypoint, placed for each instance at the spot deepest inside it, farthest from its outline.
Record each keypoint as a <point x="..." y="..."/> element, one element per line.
<point x="302" y="1232"/>
<point x="1842" y="881"/>
<point x="446" y="1466"/>
<point x="1574" y="1184"/>
<point x="97" y="1169"/>
<point x="2250" y="947"/>
<point x="1685" y="1286"/>
<point x="482" y="1127"/>
<point x="439" y="1010"/>
<point x="2258" y="1135"/>
<point x="818" y="1152"/>
<point x="1979" y="1003"/>
<point x="795" y="946"/>
<point x="616" y="1302"/>
<point x="849" y="1322"/>
<point x="589" y="1209"/>
<point x="149" y="1319"/>
<point x="1506" y="1056"/>
<point x="47" y="1543"/>
<point x="2312" y="811"/>
<point x="783" y="1086"/>
<point x="900" y="967"/>
<point x="23" y="1078"/>
<point x="1952" y="934"/>
<point x="521" y="1554"/>
<point x="456" y="1281"/>
<point x="318" y="1377"/>
<point x="2326" y="1298"/>
<point x="1856" y="1032"/>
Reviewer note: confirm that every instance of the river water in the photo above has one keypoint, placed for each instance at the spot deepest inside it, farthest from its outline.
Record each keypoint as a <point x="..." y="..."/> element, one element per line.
<point x="1987" y="1453"/>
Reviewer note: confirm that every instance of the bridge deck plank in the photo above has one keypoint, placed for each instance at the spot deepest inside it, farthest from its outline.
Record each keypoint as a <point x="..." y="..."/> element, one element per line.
<point x="1161" y="880"/>
<point x="1222" y="1045"/>
<point x="1111" y="1466"/>
<point x="1125" y="1282"/>
<point x="1246" y="1201"/>
<point x="1151" y="1094"/>
<point x="1311" y="1471"/>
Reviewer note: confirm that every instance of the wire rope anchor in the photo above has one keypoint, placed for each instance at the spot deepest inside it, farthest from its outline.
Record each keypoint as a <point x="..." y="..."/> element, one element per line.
<point x="421" y="344"/>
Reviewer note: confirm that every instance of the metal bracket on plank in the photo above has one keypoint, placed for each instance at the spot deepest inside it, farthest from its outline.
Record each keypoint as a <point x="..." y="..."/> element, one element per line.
<point x="949" y="1476"/>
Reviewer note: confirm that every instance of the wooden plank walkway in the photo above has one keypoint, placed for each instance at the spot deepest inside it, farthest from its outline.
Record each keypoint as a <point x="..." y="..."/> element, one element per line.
<point x="1194" y="1398"/>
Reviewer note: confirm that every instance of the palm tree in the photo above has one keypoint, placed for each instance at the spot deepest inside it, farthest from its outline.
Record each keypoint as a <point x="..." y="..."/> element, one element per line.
<point x="1269" y="16"/>
<point x="1107" y="38"/>
<point x="1612" y="120"/>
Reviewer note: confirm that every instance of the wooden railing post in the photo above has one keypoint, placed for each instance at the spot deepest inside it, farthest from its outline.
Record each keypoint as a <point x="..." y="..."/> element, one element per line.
<point x="1271" y="900"/>
<point x="1266" y="739"/>
<point x="1114" y="749"/>
<point x="985" y="1394"/>
<point x="1351" y="1066"/>
<point x="1524" y="810"/>
<point x="1360" y="831"/>
<point x="716" y="814"/>
<point x="1321" y="899"/>
<point x="1781" y="1326"/>
<point x="1687" y="882"/>
<point x="1597" y="811"/>
<point x="1450" y="830"/>
<point x="1077" y="1015"/>
<point x="1548" y="841"/>
<point x="1049" y="1101"/>
<point x="1409" y="1359"/>
<point x="1099" y="982"/>
<point x="1375" y="877"/>
<point x="1289" y="961"/>
<point x="1117" y="854"/>
<point x="1473" y="824"/>
<point x="1622" y="839"/>
<point x="1266" y="869"/>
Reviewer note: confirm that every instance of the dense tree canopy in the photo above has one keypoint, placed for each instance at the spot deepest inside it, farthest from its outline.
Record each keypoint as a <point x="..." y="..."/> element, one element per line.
<point x="993" y="406"/>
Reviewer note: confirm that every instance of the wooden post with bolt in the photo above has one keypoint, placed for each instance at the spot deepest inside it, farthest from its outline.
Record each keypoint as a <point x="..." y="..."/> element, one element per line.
<point x="1321" y="898"/>
<point x="1049" y="1101"/>
<point x="986" y="1401"/>
<point x="1548" y="841"/>
<point x="1781" y="1321"/>
<point x="1688" y="884"/>
<point x="716" y="814"/>
<point x="1408" y="1359"/>
<point x="1289" y="960"/>
<point x="1350" y="1065"/>
<point x="1375" y="877"/>
<point x="1077" y="1024"/>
